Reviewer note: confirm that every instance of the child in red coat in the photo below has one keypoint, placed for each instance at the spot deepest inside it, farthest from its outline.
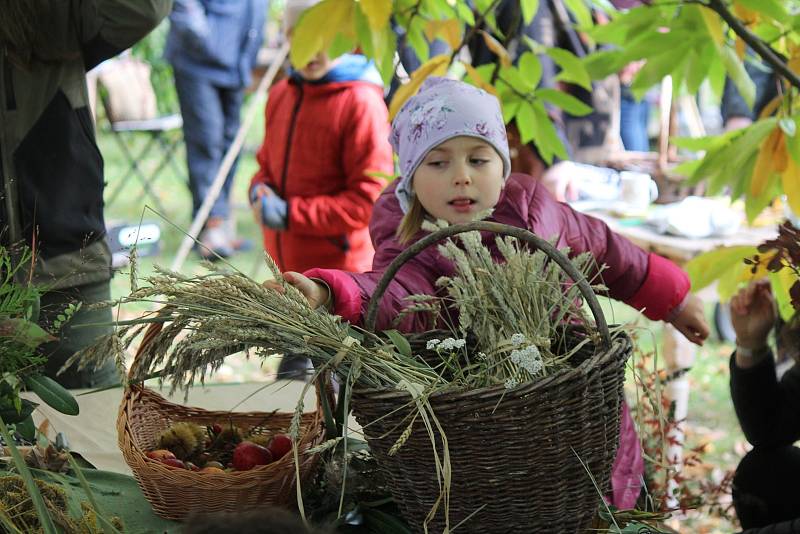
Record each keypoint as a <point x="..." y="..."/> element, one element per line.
<point x="327" y="133"/>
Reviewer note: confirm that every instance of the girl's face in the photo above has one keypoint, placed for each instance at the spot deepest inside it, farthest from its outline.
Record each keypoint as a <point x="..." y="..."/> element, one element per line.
<point x="459" y="179"/>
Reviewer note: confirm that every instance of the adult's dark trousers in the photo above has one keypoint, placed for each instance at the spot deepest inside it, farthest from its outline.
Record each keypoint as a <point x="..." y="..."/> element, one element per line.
<point x="766" y="494"/>
<point x="75" y="335"/>
<point x="210" y="122"/>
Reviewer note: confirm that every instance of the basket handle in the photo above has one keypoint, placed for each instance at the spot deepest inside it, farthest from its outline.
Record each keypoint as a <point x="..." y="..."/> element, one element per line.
<point x="498" y="228"/>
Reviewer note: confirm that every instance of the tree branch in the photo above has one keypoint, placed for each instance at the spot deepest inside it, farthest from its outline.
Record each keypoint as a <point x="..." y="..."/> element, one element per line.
<point x="759" y="47"/>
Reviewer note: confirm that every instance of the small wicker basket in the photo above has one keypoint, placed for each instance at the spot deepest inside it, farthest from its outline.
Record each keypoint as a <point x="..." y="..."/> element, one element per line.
<point x="175" y="493"/>
<point x="535" y="458"/>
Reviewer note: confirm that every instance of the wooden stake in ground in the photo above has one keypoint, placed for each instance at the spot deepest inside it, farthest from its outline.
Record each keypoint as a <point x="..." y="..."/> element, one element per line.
<point x="227" y="161"/>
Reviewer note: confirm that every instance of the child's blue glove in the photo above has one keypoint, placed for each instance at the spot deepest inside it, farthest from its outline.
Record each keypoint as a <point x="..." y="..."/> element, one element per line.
<point x="272" y="208"/>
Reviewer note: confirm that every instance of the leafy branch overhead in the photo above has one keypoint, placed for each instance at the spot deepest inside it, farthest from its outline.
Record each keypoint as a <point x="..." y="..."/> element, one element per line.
<point x="693" y="41"/>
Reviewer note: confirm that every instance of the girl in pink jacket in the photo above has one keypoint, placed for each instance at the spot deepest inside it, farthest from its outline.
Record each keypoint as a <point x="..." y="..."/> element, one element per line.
<point x="453" y="155"/>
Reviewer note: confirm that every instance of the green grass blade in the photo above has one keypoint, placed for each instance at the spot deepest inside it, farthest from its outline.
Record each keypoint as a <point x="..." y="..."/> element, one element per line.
<point x="108" y="528"/>
<point x="36" y="497"/>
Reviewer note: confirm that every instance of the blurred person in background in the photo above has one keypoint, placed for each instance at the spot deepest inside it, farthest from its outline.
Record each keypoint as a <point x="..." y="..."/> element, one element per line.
<point x="51" y="170"/>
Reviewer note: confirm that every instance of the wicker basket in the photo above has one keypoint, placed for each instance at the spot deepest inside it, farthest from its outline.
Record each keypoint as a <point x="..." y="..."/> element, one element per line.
<point x="531" y="459"/>
<point x="175" y="493"/>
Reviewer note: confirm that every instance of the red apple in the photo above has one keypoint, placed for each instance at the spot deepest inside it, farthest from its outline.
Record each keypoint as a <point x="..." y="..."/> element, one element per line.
<point x="247" y="455"/>
<point x="279" y="446"/>
<point x="173" y="462"/>
<point x="159" y="454"/>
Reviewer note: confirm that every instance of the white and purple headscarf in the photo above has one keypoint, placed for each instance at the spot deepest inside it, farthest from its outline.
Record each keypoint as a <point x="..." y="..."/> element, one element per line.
<point x="443" y="109"/>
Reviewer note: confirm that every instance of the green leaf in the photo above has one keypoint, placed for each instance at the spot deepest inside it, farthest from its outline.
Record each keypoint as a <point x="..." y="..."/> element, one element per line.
<point x="657" y="67"/>
<point x="400" y="342"/>
<point x="573" y="69"/>
<point x="782" y="282"/>
<point x="531" y="68"/>
<point x="772" y="8"/>
<point x="546" y="137"/>
<point x="53" y="394"/>
<point x="708" y="267"/>
<point x="601" y="64"/>
<point x="565" y="101"/>
<point x="581" y="12"/>
<point x="26" y="428"/>
<point x="516" y="80"/>
<point x="753" y="206"/>
<point x="12" y="415"/>
<point x="697" y="67"/>
<point x="510" y="109"/>
<point x="28" y="333"/>
<point x="735" y="69"/>
<point x="529" y="8"/>
<point x="465" y="13"/>
<point x="526" y="122"/>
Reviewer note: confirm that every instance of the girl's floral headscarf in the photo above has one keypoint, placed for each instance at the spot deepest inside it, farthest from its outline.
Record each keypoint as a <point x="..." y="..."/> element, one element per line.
<point x="441" y="110"/>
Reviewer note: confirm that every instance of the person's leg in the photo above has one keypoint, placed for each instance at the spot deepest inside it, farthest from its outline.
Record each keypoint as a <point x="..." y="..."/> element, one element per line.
<point x="633" y="123"/>
<point x="204" y="136"/>
<point x="231" y="104"/>
<point x="765" y="486"/>
<point x="74" y="337"/>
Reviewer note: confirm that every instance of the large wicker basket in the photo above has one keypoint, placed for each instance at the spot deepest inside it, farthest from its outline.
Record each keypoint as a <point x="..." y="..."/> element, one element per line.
<point x="175" y="493"/>
<point x="536" y="458"/>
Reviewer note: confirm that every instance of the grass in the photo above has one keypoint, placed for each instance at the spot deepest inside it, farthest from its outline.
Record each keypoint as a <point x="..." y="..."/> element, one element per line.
<point x="711" y="418"/>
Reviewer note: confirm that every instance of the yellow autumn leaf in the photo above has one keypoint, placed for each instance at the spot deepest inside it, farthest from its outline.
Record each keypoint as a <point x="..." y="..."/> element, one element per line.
<point x="741" y="48"/>
<point x="763" y="169"/>
<point x="790" y="179"/>
<point x="780" y="155"/>
<point x="713" y="25"/>
<point x="317" y="28"/>
<point x="478" y="79"/>
<point x="447" y="30"/>
<point x="435" y="66"/>
<point x="377" y="12"/>
<point x="770" y="108"/>
<point x="498" y="49"/>
<point x="745" y="14"/>
<point x="710" y="266"/>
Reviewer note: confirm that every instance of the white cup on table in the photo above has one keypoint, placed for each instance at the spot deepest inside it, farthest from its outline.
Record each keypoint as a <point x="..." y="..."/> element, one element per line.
<point x="637" y="189"/>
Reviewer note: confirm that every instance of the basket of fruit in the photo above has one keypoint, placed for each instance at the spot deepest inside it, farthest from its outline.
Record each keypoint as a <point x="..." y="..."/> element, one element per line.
<point x="188" y="459"/>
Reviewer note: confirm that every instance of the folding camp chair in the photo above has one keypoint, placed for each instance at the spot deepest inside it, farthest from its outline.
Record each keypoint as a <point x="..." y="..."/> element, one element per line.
<point x="130" y="106"/>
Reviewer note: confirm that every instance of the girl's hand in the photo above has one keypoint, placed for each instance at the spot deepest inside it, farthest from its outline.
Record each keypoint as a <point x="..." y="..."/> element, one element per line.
<point x="753" y="315"/>
<point x="691" y="321"/>
<point x="316" y="293"/>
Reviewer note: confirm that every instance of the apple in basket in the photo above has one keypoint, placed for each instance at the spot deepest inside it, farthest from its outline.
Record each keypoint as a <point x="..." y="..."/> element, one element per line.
<point x="173" y="462"/>
<point x="159" y="454"/>
<point x="279" y="446"/>
<point x="247" y="455"/>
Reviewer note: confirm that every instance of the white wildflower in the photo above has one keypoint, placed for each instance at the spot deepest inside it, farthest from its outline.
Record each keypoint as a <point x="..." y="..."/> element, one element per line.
<point x="452" y="344"/>
<point x="482" y="356"/>
<point x="528" y="358"/>
<point x="518" y="339"/>
<point x="432" y="343"/>
<point x="511" y="383"/>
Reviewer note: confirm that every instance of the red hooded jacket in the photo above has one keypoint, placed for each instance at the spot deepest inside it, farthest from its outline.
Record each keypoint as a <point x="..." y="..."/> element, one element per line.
<point x="322" y="140"/>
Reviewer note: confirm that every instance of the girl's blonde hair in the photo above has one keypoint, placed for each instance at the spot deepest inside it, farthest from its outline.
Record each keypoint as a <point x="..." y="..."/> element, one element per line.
<point x="411" y="223"/>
